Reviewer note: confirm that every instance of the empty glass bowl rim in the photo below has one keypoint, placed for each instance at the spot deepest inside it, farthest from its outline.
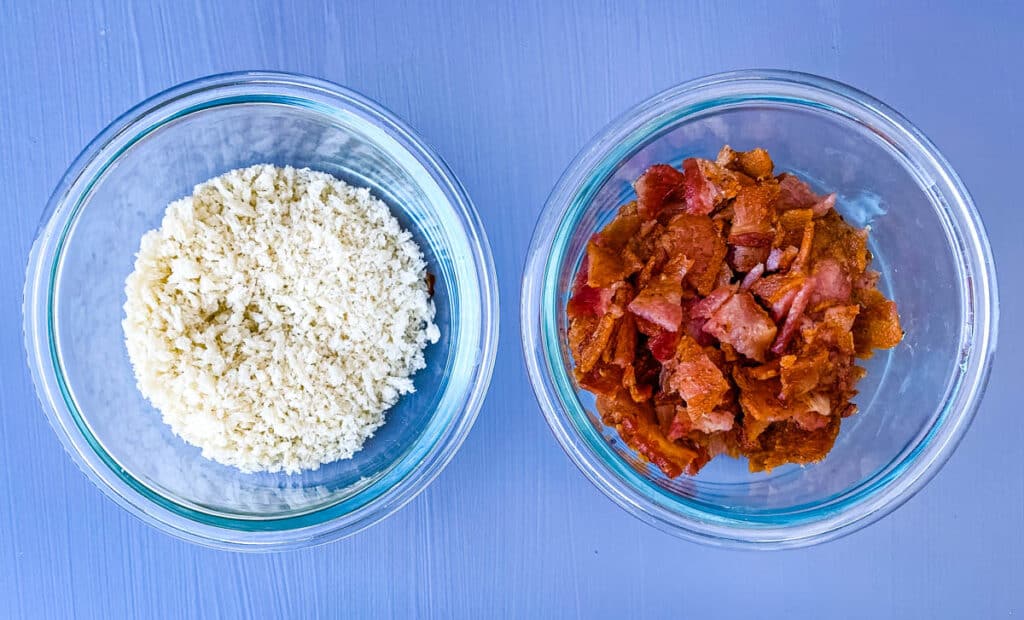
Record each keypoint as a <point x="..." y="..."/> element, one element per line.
<point x="391" y="490"/>
<point x="554" y="388"/>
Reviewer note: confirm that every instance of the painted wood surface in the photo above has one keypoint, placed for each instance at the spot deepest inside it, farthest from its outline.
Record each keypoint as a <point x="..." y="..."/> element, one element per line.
<point x="507" y="93"/>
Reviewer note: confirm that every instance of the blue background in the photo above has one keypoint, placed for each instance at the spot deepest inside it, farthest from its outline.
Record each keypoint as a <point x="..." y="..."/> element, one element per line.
<point x="507" y="94"/>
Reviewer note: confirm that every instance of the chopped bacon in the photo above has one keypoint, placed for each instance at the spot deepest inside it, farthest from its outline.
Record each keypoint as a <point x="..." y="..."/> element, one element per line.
<point x="637" y="391"/>
<point x="878" y="324"/>
<point x="727" y="181"/>
<point x="701" y="194"/>
<point x="796" y="311"/>
<point x="789" y="443"/>
<point x="654" y="265"/>
<point x="722" y="313"/>
<point x="752" y="276"/>
<point x="811" y="420"/>
<point x="663" y="345"/>
<point x="624" y="351"/>
<point x="824" y="205"/>
<point x="697" y="238"/>
<point x="602" y="380"/>
<point x="791" y="225"/>
<point x="638" y="426"/>
<point x="868" y="279"/>
<point x="834" y="331"/>
<point x="646" y="242"/>
<point x="800" y="375"/>
<point x="704" y="308"/>
<point x="778" y="291"/>
<point x="693" y="376"/>
<point x="744" y="325"/>
<point x="836" y="239"/>
<point x="831" y="284"/>
<point x="752" y="221"/>
<point x="686" y="421"/>
<point x="607" y="266"/>
<point x="806" y="245"/>
<point x="593" y="344"/>
<point x="725" y="276"/>
<point x="587" y="300"/>
<point x="695" y="314"/>
<point x="621" y="230"/>
<point x="744" y="258"/>
<point x="659" y="301"/>
<point x="779" y="259"/>
<point x="657" y="186"/>
<point x="755" y="163"/>
<point x="795" y="194"/>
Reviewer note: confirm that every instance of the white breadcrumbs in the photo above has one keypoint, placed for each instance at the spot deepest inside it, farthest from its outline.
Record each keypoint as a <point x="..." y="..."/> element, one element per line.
<point x="274" y="317"/>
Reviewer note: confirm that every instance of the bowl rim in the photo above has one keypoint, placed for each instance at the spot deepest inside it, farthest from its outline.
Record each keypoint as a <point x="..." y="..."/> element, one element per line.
<point x="376" y="500"/>
<point x="616" y="478"/>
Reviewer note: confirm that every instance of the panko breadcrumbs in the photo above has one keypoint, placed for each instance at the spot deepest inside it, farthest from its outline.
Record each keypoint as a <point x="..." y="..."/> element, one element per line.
<point x="275" y="316"/>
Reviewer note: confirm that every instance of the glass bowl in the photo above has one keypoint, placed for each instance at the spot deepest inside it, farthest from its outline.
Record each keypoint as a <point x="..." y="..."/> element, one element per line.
<point x="118" y="188"/>
<point x="916" y="401"/>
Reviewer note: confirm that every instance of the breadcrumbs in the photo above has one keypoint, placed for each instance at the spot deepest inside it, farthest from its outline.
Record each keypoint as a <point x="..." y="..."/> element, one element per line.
<point x="275" y="316"/>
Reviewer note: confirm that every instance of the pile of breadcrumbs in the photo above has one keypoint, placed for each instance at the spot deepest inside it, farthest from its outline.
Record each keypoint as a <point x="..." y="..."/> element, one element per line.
<point x="275" y="315"/>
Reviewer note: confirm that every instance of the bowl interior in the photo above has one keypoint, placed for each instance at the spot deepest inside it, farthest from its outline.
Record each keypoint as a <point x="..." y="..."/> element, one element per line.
<point x="905" y="390"/>
<point x="128" y="197"/>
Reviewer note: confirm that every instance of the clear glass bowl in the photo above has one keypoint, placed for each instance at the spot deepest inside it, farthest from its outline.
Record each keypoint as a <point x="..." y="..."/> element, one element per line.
<point x="118" y="188"/>
<point x="916" y="401"/>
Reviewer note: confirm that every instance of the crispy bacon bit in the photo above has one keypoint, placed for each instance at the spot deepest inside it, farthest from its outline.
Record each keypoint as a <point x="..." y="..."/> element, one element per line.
<point x="779" y="259"/>
<point x="800" y="375"/>
<point x="606" y="266"/>
<point x="868" y="279"/>
<point x="795" y="194"/>
<point x="806" y="245"/>
<point x="624" y="352"/>
<point x="756" y="164"/>
<point x="659" y="185"/>
<point x="878" y="324"/>
<point x="698" y="239"/>
<point x="586" y="300"/>
<point x="796" y="310"/>
<point x="789" y="443"/>
<point x="752" y="222"/>
<point x="752" y="276"/>
<point x="778" y="291"/>
<point x="663" y="345"/>
<point x="704" y="308"/>
<point x="621" y="230"/>
<point x="744" y="325"/>
<point x="693" y="376"/>
<point x="831" y="284"/>
<point x="725" y="275"/>
<point x="638" y="426"/>
<point x="659" y="303"/>
<point x="701" y="194"/>
<point x="637" y="391"/>
<point x="685" y="422"/>
<point x="824" y="205"/>
<point x="722" y="312"/>
<point x="594" y="343"/>
<point x="744" y="258"/>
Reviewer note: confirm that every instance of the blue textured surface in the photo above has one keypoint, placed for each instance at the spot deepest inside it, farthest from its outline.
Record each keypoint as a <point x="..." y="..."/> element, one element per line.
<point x="508" y="93"/>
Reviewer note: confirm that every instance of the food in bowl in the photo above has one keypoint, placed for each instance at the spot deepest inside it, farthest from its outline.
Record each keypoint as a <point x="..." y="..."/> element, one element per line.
<point x="721" y="313"/>
<point x="275" y="316"/>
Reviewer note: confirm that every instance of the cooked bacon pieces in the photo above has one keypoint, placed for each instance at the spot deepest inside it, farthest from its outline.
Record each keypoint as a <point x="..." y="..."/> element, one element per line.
<point x="721" y="313"/>
<point x="744" y="325"/>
